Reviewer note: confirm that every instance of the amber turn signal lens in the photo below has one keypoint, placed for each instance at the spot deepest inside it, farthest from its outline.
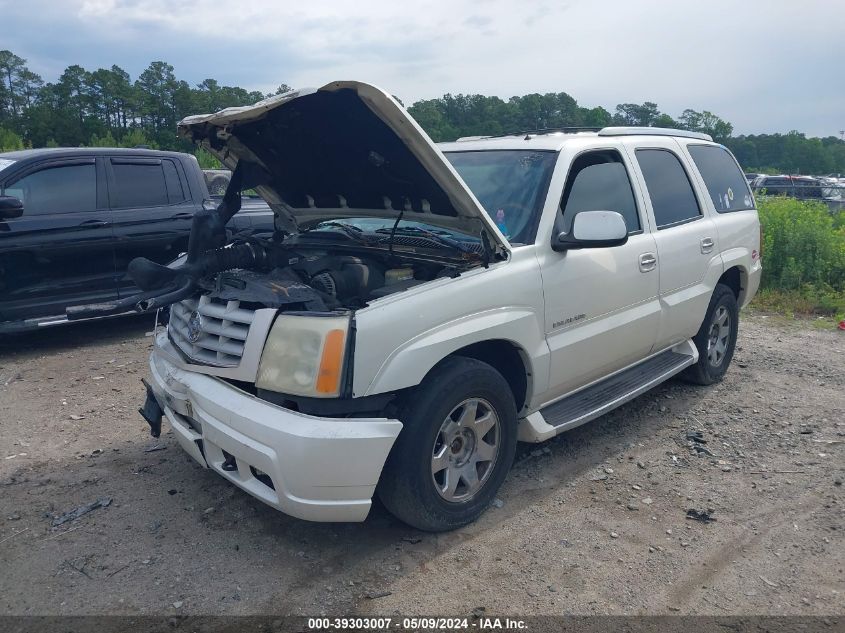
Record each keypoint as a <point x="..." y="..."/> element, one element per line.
<point x="328" y="378"/>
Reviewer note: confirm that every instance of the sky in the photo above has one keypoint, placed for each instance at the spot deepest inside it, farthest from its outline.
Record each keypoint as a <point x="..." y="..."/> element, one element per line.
<point x="765" y="66"/>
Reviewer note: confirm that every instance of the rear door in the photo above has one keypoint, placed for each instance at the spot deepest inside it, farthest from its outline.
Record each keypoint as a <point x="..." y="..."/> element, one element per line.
<point x="686" y="237"/>
<point x="152" y="210"/>
<point x="60" y="252"/>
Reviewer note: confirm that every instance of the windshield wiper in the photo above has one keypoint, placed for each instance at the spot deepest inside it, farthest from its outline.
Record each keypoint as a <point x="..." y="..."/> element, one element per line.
<point x="434" y="237"/>
<point x="350" y="230"/>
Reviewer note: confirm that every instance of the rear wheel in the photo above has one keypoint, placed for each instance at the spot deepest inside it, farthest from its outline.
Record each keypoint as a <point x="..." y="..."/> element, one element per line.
<point x="716" y="338"/>
<point x="455" y="449"/>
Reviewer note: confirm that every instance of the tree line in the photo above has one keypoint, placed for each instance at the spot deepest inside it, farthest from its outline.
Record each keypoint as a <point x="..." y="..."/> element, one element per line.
<point x="454" y="116"/>
<point x="105" y="107"/>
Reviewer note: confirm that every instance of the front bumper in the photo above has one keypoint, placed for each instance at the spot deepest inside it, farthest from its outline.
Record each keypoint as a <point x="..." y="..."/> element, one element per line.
<point x="319" y="469"/>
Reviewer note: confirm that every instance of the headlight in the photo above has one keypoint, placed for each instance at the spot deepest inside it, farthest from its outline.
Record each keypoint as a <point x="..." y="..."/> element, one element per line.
<point x="304" y="356"/>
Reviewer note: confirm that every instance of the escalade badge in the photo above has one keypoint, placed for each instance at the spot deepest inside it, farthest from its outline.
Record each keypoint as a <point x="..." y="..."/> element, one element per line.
<point x="194" y="326"/>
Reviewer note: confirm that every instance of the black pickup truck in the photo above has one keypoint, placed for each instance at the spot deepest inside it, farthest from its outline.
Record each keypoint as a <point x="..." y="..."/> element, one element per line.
<point x="71" y="220"/>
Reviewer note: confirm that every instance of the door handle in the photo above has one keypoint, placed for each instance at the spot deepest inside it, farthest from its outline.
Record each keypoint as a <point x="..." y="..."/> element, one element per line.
<point x="706" y="245"/>
<point x="182" y="216"/>
<point x="648" y="262"/>
<point x="94" y="223"/>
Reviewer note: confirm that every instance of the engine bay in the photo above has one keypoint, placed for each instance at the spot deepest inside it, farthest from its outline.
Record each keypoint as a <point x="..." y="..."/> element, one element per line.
<point x="304" y="271"/>
<point x="321" y="279"/>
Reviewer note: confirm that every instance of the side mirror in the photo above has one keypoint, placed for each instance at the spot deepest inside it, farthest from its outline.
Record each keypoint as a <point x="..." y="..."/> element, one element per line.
<point x="10" y="207"/>
<point x="593" y="229"/>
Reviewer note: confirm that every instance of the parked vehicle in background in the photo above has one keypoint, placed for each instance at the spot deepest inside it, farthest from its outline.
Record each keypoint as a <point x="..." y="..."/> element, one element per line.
<point x="801" y="187"/>
<point x="833" y="187"/>
<point x="217" y="180"/>
<point x="833" y="190"/>
<point x="422" y="308"/>
<point x="749" y="176"/>
<point x="83" y="215"/>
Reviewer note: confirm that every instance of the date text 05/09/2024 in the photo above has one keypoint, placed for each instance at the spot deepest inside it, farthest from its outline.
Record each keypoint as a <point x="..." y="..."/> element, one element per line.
<point x="417" y="624"/>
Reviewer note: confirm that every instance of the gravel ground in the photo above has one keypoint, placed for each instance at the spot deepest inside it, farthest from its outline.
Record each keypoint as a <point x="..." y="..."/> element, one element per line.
<point x="594" y="521"/>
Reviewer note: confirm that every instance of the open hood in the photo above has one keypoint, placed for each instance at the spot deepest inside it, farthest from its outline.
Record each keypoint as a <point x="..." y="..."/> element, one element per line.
<point x="347" y="149"/>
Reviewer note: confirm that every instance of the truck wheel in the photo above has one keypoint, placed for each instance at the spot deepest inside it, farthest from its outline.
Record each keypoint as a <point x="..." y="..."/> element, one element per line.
<point x="217" y="187"/>
<point x="455" y="449"/>
<point x="716" y="338"/>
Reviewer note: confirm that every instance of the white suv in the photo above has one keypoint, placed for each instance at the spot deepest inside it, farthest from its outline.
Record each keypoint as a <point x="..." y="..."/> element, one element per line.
<point x="422" y="308"/>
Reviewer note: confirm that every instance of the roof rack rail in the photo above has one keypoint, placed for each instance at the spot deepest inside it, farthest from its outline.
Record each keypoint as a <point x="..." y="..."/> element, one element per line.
<point x="545" y="130"/>
<point x="652" y="131"/>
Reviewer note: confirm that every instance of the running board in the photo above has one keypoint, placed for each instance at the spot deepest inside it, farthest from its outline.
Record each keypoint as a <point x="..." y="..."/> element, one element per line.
<point x="37" y="323"/>
<point x="601" y="397"/>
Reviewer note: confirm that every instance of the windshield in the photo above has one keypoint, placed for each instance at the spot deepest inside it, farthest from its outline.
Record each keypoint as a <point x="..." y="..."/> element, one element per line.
<point x="511" y="185"/>
<point x="5" y="162"/>
<point x="387" y="232"/>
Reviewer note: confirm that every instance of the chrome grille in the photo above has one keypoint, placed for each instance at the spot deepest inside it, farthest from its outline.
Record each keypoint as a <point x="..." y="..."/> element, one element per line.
<point x="219" y="333"/>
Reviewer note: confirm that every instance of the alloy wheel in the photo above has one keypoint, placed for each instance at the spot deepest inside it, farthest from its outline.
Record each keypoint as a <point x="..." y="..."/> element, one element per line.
<point x="720" y="335"/>
<point x="465" y="450"/>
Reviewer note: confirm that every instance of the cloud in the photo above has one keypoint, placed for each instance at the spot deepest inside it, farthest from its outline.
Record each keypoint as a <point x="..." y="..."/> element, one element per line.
<point x="761" y="70"/>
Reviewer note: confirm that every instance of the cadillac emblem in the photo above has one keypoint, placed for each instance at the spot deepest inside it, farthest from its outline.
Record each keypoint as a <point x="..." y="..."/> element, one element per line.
<point x="194" y="326"/>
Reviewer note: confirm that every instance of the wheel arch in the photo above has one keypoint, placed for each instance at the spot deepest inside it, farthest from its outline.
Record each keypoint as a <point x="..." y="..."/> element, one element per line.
<point x="500" y="337"/>
<point x="508" y="359"/>
<point x="736" y="278"/>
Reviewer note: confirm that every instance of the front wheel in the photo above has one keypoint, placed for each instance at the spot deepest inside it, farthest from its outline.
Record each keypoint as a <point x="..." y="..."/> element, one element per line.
<point x="716" y="338"/>
<point x="455" y="449"/>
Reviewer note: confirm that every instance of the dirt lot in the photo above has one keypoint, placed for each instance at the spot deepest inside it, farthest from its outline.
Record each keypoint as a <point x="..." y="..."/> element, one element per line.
<point x="591" y="522"/>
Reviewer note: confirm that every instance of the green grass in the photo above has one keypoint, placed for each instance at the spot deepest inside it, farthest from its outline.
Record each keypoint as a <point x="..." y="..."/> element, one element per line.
<point x="824" y="311"/>
<point x="803" y="260"/>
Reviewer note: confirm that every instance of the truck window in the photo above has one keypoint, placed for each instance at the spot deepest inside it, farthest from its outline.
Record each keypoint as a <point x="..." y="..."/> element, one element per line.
<point x="138" y="185"/>
<point x="598" y="181"/>
<point x="61" y="189"/>
<point x="669" y="188"/>
<point x="725" y="183"/>
<point x="175" y="192"/>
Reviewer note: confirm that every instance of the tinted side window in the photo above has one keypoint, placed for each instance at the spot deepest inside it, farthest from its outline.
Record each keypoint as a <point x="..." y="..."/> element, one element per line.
<point x="598" y="181"/>
<point x="668" y="187"/>
<point x="175" y="193"/>
<point x="138" y="185"/>
<point x="66" y="189"/>
<point x="725" y="183"/>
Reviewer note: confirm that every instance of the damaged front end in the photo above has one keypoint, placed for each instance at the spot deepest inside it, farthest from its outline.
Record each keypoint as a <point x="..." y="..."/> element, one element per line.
<point x="365" y="207"/>
<point x="254" y="372"/>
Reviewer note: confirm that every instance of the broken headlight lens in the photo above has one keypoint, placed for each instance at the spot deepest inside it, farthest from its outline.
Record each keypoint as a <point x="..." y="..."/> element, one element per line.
<point x="304" y="355"/>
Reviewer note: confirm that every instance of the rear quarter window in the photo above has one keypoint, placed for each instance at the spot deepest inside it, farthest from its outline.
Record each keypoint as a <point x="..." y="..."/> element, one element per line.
<point x="139" y="184"/>
<point x="725" y="182"/>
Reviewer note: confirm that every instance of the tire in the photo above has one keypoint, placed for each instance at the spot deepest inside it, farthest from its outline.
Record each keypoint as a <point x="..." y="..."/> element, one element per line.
<point x="716" y="339"/>
<point x="217" y="187"/>
<point x="463" y="411"/>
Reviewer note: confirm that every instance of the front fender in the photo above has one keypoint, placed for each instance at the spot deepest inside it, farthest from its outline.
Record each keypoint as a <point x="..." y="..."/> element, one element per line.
<point x="408" y="364"/>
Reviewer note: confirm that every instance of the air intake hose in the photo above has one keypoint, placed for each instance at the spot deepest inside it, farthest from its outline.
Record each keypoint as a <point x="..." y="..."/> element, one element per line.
<point x="165" y="286"/>
<point x="207" y="254"/>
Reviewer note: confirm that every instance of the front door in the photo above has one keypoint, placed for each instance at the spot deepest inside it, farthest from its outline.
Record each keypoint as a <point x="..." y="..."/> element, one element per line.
<point x="601" y="304"/>
<point x="60" y="251"/>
